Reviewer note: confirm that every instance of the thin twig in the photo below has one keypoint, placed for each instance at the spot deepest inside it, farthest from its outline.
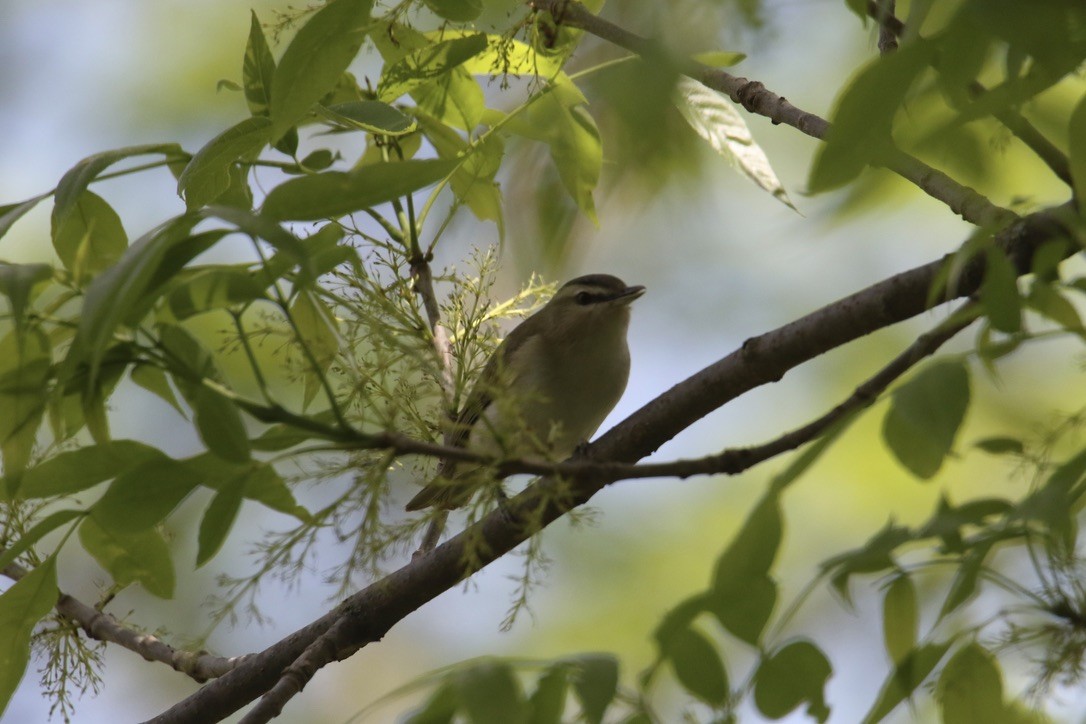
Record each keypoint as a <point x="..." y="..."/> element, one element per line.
<point x="100" y="626"/>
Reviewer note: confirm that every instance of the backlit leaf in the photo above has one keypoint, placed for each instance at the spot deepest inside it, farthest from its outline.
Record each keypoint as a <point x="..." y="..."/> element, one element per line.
<point x="207" y="175"/>
<point x="22" y="605"/>
<point x="924" y="417"/>
<point x="131" y="556"/>
<point x="92" y="237"/>
<point x="899" y="618"/>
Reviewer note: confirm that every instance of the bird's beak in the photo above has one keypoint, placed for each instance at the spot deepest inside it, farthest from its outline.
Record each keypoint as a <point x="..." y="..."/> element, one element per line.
<point x="628" y="294"/>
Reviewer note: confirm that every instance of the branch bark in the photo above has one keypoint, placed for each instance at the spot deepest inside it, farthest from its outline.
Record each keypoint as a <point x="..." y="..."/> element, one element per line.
<point x="366" y="616"/>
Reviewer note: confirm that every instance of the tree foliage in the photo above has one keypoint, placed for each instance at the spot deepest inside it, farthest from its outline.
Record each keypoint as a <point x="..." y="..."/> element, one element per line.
<point x="329" y="351"/>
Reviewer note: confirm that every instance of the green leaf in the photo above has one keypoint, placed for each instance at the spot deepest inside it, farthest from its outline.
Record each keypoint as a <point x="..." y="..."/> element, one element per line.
<point x="1076" y="135"/>
<point x="144" y="495"/>
<point x="473" y="181"/>
<point x="548" y="701"/>
<point x="40" y="529"/>
<point x="458" y="11"/>
<point x="262" y="483"/>
<point x="76" y="470"/>
<point x="318" y="55"/>
<point x="215" y="287"/>
<point x="333" y="194"/>
<point x="698" y="667"/>
<point x="371" y="117"/>
<point x="317" y="327"/>
<point x="863" y="117"/>
<point x="743" y="594"/>
<point x="17" y="282"/>
<point x="427" y="64"/>
<point x="219" y="424"/>
<point x="207" y="175"/>
<point x="131" y="556"/>
<point x="970" y="688"/>
<point x="10" y="213"/>
<point x="715" y="119"/>
<point x="899" y="618"/>
<point x="490" y="693"/>
<point x="925" y="415"/>
<point x="219" y="517"/>
<point x="794" y="674"/>
<point x="125" y="292"/>
<point x="999" y="293"/>
<point x="875" y="555"/>
<point x="908" y="674"/>
<point x="75" y="180"/>
<point x="25" y="369"/>
<point x="257" y="70"/>
<point x="28" y="601"/>
<point x="439" y="708"/>
<point x="154" y="380"/>
<point x="595" y="680"/>
<point x="92" y="237"/>
<point x="1046" y="300"/>
<point x="964" y="585"/>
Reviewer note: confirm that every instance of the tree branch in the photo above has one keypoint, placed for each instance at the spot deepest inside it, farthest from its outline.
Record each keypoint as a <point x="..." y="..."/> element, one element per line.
<point x="756" y="98"/>
<point x="367" y="615"/>
<point x="104" y="627"/>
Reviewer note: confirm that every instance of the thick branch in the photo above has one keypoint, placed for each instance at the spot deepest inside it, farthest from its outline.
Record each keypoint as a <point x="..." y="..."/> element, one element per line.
<point x="103" y="627"/>
<point x="752" y="95"/>
<point x="369" y="614"/>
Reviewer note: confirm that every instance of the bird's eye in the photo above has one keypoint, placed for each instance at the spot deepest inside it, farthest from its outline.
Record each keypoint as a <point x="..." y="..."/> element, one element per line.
<point x="583" y="298"/>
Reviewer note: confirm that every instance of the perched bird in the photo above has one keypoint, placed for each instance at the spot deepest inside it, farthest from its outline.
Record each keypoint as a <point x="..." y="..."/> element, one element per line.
<point x="547" y="387"/>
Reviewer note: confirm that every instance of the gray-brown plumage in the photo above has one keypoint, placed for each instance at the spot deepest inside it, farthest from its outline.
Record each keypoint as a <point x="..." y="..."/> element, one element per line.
<point x="547" y="387"/>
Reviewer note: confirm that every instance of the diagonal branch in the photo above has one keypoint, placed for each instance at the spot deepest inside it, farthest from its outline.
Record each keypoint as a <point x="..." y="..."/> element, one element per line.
<point x="366" y="616"/>
<point x="756" y="98"/>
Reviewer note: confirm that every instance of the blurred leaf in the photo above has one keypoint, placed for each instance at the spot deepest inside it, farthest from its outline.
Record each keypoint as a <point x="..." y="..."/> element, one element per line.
<point x="715" y="119"/>
<point x="490" y="693"/>
<point x="720" y="58"/>
<point x="874" y="556"/>
<point x="312" y="64"/>
<point x="458" y="11"/>
<point x="440" y="708"/>
<point x="908" y="674"/>
<point x="39" y="530"/>
<point x="143" y="496"/>
<point x="595" y="680"/>
<point x="964" y="585"/>
<point x="92" y="237"/>
<point x="82" y="468"/>
<point x="999" y="292"/>
<point x="220" y="425"/>
<point x="1001" y="445"/>
<point x="317" y="326"/>
<point x="899" y="618"/>
<point x="154" y="381"/>
<point x="792" y="675"/>
<point x="370" y="116"/>
<point x="219" y="518"/>
<point x="10" y="213"/>
<point x="1076" y="134"/>
<point x="25" y="368"/>
<point x="426" y="64"/>
<point x="698" y="667"/>
<point x="214" y="287"/>
<point x="17" y="282"/>
<point x="864" y="114"/>
<point x="131" y="556"/>
<point x="333" y="194"/>
<point x="548" y="701"/>
<point x="75" y="181"/>
<point x="257" y="70"/>
<point x="970" y="689"/>
<point x="207" y="175"/>
<point x="25" y="603"/>
<point x="743" y="594"/>
<point x="925" y="415"/>
<point x="1047" y="300"/>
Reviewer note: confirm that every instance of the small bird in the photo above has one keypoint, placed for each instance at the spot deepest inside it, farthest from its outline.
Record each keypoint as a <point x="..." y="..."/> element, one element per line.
<point x="547" y="387"/>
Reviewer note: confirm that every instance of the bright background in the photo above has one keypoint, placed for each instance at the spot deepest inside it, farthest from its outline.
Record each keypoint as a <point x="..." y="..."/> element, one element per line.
<point x="723" y="261"/>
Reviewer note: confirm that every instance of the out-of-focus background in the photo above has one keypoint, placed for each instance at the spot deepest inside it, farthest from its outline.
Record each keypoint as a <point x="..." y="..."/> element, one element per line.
<point x="722" y="261"/>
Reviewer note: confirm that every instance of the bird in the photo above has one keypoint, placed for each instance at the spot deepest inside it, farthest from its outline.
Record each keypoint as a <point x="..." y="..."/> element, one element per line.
<point x="546" y="389"/>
